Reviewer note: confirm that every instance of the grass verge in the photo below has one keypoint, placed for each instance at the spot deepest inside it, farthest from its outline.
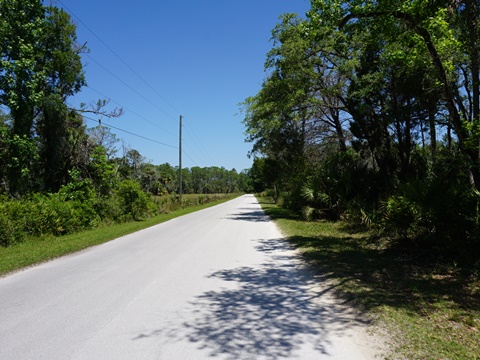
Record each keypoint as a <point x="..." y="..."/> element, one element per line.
<point x="430" y="309"/>
<point x="37" y="250"/>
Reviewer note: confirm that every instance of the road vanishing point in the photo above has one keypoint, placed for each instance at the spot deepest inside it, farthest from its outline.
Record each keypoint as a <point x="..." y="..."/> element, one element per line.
<point x="221" y="283"/>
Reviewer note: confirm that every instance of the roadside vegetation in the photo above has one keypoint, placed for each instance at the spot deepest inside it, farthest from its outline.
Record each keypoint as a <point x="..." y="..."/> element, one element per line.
<point x="427" y="309"/>
<point x="35" y="249"/>
<point x="370" y="112"/>
<point x="59" y="178"/>
<point x="365" y="134"/>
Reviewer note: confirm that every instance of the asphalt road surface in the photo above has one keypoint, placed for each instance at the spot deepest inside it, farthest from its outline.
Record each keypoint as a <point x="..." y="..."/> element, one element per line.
<point x="216" y="284"/>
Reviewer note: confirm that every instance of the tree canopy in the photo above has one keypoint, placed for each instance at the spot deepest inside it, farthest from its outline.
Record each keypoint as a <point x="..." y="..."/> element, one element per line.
<point x="371" y="109"/>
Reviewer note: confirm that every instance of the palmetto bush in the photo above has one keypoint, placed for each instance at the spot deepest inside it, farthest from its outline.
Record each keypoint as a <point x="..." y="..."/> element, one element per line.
<point x="317" y="204"/>
<point x="440" y="212"/>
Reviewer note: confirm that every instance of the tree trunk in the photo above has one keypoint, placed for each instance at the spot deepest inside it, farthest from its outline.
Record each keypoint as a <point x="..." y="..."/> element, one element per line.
<point x="339" y="130"/>
<point x="472" y="15"/>
<point x="433" y="131"/>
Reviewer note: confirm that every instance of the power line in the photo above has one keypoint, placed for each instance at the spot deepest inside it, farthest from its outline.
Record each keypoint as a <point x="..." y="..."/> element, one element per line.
<point x="118" y="57"/>
<point x="198" y="143"/>
<point x="131" y="111"/>
<point x="129" y="132"/>
<point x="142" y="137"/>
<point x="130" y="87"/>
<point x="183" y="152"/>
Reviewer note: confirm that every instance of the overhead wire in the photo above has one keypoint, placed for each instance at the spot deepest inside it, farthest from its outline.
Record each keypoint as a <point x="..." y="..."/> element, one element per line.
<point x="142" y="137"/>
<point x="183" y="152"/>
<point x="131" y="111"/>
<point x="119" y="57"/>
<point x="130" y="87"/>
<point x="197" y="143"/>
<point x="131" y="133"/>
<point x="134" y="90"/>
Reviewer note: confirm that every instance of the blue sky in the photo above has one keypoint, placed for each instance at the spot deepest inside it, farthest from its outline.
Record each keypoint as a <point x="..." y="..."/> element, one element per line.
<point x="196" y="58"/>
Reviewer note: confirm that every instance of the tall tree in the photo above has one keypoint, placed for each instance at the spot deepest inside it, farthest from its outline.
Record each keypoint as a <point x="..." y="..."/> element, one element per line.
<point x="301" y="109"/>
<point x="64" y="77"/>
<point x="22" y="23"/>
<point x="40" y="69"/>
<point x="433" y="31"/>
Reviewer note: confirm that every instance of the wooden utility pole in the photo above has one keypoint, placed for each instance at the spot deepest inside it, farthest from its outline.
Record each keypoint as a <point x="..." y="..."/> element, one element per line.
<point x="180" y="158"/>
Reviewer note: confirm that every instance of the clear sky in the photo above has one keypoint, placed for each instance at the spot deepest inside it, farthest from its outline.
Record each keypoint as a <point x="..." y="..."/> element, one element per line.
<point x="196" y="58"/>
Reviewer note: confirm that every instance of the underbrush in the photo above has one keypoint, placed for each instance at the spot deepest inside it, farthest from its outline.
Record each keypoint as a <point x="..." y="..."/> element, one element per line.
<point x="77" y="206"/>
<point x="429" y="304"/>
<point x="168" y="203"/>
<point x="35" y="249"/>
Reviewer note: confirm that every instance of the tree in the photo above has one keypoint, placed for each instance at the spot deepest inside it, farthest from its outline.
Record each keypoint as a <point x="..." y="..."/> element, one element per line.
<point x="21" y="28"/>
<point x="134" y="161"/>
<point x="301" y="110"/>
<point x="102" y="172"/>
<point x="40" y="69"/>
<point x="431" y="28"/>
<point x="168" y="177"/>
<point x="102" y="136"/>
<point x="64" y="77"/>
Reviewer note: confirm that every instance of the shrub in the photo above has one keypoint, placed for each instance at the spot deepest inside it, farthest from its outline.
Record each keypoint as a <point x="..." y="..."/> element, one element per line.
<point x="77" y="189"/>
<point x="135" y="204"/>
<point x="108" y="208"/>
<point x="50" y="214"/>
<point x="402" y="216"/>
<point x="441" y="213"/>
<point x="9" y="235"/>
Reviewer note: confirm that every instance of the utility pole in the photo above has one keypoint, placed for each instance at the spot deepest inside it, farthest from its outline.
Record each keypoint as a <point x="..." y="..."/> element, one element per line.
<point x="180" y="158"/>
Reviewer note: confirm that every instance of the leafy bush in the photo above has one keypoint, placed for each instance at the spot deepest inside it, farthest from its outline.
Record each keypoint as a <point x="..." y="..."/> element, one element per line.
<point x="70" y="210"/>
<point x="135" y="204"/>
<point x="108" y="208"/>
<point x="343" y="182"/>
<point x="318" y="204"/>
<point x="77" y="189"/>
<point x="9" y="235"/>
<point x="51" y="214"/>
<point x="402" y="216"/>
<point x="440" y="211"/>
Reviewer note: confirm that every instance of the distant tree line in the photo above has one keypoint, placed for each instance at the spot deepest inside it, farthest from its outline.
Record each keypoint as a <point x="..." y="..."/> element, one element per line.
<point x="370" y="112"/>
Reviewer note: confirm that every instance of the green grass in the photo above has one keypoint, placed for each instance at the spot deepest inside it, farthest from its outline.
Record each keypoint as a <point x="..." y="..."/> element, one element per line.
<point x="37" y="250"/>
<point x="430" y="309"/>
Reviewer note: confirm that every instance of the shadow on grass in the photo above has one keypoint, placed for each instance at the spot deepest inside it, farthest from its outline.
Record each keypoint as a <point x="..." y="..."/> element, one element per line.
<point x="376" y="274"/>
<point x="280" y="213"/>
<point x="381" y="277"/>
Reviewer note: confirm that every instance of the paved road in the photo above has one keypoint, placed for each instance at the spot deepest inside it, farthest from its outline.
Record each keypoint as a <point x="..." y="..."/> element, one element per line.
<point x="220" y="283"/>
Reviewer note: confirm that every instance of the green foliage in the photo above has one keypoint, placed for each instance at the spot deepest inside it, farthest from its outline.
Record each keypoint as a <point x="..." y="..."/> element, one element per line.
<point x="350" y="111"/>
<point x="402" y="215"/>
<point x="40" y="67"/>
<point x="77" y="189"/>
<point x="429" y="310"/>
<point x="135" y="204"/>
<point x="38" y="56"/>
<point x="440" y="211"/>
<point x="102" y="172"/>
<point x="10" y="234"/>
<point x="22" y="155"/>
<point x="20" y="49"/>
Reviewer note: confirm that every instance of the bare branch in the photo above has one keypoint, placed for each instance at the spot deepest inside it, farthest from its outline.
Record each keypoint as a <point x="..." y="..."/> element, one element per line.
<point x="98" y="109"/>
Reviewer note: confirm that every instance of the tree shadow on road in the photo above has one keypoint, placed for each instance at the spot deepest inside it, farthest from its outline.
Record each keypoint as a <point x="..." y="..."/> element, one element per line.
<point x="252" y="215"/>
<point x="272" y="311"/>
